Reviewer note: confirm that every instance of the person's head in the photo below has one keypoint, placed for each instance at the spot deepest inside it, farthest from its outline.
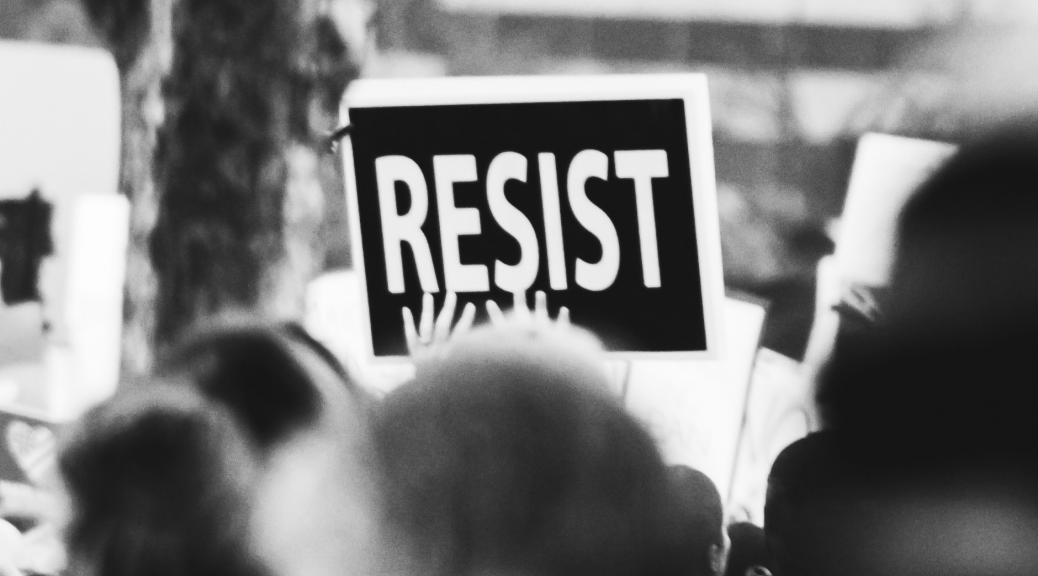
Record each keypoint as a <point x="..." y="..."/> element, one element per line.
<point x="275" y="379"/>
<point x="701" y="517"/>
<point x="960" y="323"/>
<point x="159" y="482"/>
<point x="748" y="555"/>
<point x="509" y="455"/>
<point x="812" y="510"/>
<point x="316" y="504"/>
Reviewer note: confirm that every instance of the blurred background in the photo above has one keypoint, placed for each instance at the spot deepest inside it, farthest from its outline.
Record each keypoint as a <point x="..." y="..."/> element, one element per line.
<point x="793" y="84"/>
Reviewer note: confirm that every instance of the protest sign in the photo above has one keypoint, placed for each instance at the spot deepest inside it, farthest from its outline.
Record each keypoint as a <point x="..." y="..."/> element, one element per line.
<point x="887" y="170"/>
<point x="597" y="190"/>
<point x="63" y="227"/>
<point x="694" y="408"/>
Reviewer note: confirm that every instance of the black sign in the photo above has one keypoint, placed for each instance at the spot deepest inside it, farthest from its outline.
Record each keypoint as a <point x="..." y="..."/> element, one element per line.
<point x="591" y="202"/>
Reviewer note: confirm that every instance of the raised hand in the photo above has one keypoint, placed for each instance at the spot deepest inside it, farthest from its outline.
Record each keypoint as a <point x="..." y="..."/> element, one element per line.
<point x="521" y="314"/>
<point x="431" y="335"/>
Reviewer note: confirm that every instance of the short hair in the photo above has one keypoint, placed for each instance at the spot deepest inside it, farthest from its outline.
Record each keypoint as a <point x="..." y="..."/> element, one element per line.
<point x="250" y="368"/>
<point x="700" y="515"/>
<point x="159" y="481"/>
<point x="819" y="508"/>
<point x="510" y="454"/>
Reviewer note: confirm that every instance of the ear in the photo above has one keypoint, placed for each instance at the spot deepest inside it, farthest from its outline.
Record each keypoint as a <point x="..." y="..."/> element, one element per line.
<point x="719" y="554"/>
<point x="718" y="559"/>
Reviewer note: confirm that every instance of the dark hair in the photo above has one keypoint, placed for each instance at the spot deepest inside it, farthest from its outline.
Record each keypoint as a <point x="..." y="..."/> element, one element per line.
<point x="811" y="509"/>
<point x="251" y="369"/>
<point x="499" y="460"/>
<point x="159" y="481"/>
<point x="748" y="549"/>
<point x="945" y="371"/>
<point x="700" y="515"/>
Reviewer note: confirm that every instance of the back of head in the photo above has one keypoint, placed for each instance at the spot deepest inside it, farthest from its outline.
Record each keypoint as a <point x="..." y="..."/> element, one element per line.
<point x="934" y="403"/>
<point x="748" y="550"/>
<point x="509" y="455"/>
<point x="818" y="501"/>
<point x="946" y="371"/>
<point x="265" y="374"/>
<point x="967" y="256"/>
<point x="159" y="484"/>
<point x="701" y="517"/>
<point x="317" y="502"/>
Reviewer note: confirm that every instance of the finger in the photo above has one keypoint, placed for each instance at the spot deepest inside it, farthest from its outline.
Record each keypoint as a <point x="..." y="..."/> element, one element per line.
<point x="410" y="334"/>
<point x="520" y="308"/>
<point x="442" y="328"/>
<point x="425" y="328"/>
<point x="563" y="320"/>
<point x="540" y="309"/>
<point x="497" y="318"/>
<point x="468" y="315"/>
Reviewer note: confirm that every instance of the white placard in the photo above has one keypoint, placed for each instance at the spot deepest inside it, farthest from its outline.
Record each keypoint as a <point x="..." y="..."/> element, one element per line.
<point x="887" y="170"/>
<point x="60" y="137"/>
<point x="694" y="408"/>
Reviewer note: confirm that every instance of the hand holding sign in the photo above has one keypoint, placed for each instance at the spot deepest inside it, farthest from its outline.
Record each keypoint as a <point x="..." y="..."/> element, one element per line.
<point x="597" y="191"/>
<point x="430" y="336"/>
<point x="521" y="312"/>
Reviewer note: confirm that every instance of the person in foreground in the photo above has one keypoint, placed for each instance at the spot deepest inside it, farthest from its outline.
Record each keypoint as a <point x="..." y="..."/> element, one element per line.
<point x="928" y="463"/>
<point x="509" y="455"/>
<point x="160" y="483"/>
<point x="250" y="444"/>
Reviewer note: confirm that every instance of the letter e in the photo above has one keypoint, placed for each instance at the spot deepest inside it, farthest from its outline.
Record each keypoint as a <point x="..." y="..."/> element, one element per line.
<point x="455" y="222"/>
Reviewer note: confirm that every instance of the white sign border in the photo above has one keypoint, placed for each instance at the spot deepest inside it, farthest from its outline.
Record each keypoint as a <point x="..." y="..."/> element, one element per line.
<point x="691" y="88"/>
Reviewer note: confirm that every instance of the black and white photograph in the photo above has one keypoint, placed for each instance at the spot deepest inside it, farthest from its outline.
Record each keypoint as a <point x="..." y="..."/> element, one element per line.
<point x="518" y="287"/>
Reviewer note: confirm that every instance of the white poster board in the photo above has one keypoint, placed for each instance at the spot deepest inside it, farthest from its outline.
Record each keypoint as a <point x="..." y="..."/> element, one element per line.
<point x="64" y="227"/>
<point x="887" y="171"/>
<point x="695" y="408"/>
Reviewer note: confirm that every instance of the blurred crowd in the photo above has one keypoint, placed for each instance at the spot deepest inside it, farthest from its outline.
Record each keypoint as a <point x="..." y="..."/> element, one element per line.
<point x="251" y="450"/>
<point x="248" y="449"/>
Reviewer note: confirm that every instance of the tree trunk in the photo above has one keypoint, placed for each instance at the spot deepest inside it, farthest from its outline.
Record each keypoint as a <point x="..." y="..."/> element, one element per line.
<point x="138" y="34"/>
<point x="225" y="107"/>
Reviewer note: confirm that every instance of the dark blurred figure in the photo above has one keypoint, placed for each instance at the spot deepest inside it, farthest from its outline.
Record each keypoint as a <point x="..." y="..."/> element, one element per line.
<point x="317" y="505"/>
<point x="947" y="367"/>
<point x="930" y="443"/>
<point x="748" y="555"/>
<point x="159" y="483"/>
<point x="813" y="509"/>
<point x="508" y="455"/>
<point x="275" y="378"/>
<point x="701" y="527"/>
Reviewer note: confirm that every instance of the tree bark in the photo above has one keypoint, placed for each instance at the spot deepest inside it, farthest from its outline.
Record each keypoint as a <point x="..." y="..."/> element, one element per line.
<point x="225" y="106"/>
<point x="137" y="33"/>
<point x="252" y="92"/>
